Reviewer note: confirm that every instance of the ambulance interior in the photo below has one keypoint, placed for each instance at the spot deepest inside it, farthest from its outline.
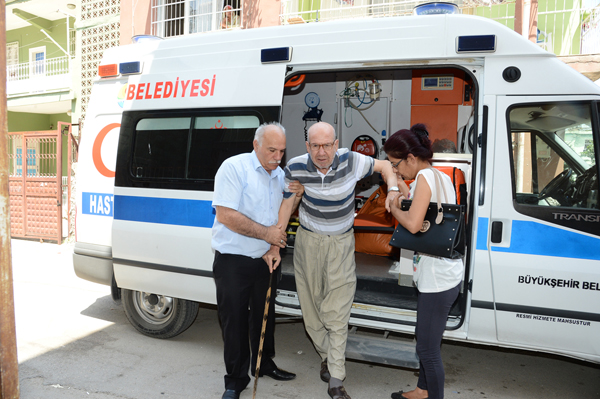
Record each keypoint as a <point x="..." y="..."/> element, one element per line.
<point x="365" y="108"/>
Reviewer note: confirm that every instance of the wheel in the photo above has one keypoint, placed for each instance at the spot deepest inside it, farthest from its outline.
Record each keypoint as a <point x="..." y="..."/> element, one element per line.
<point x="558" y="183"/>
<point x="158" y="316"/>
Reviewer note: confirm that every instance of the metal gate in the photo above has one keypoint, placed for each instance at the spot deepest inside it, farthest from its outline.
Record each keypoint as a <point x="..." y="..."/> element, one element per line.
<point x="35" y="183"/>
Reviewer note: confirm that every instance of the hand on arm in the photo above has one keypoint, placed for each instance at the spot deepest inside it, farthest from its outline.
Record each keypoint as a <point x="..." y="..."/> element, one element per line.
<point x="412" y="220"/>
<point x="241" y="224"/>
<point x="398" y="196"/>
<point x="393" y="197"/>
<point x="296" y="188"/>
<point x="272" y="256"/>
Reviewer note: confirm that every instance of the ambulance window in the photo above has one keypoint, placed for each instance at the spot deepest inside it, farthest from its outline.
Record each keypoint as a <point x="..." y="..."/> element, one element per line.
<point x="553" y="155"/>
<point x="160" y="148"/>
<point x="216" y="138"/>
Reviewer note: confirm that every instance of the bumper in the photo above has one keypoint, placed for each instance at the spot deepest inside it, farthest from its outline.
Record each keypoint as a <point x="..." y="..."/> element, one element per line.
<point x="93" y="262"/>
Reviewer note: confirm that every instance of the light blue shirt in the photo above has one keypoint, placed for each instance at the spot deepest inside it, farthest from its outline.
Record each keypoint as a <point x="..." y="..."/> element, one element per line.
<point x="242" y="184"/>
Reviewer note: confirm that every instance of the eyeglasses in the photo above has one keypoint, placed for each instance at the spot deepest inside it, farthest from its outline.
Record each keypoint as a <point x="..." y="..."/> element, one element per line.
<point x="395" y="165"/>
<point x="316" y="147"/>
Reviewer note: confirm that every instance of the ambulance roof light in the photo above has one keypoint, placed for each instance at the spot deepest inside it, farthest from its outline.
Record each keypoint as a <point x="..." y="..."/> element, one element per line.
<point x="278" y="54"/>
<point x="145" y="38"/>
<point x="436" y="8"/>
<point x="128" y="68"/>
<point x="108" y="70"/>
<point x="476" y="44"/>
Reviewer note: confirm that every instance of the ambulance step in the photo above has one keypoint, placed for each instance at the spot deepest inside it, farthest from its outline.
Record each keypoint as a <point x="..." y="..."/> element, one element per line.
<point x="382" y="351"/>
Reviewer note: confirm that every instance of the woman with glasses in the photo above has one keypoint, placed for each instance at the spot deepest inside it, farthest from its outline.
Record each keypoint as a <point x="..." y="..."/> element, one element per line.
<point x="437" y="279"/>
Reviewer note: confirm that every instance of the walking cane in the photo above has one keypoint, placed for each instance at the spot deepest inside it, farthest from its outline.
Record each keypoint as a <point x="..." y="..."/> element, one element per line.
<point x="262" y="335"/>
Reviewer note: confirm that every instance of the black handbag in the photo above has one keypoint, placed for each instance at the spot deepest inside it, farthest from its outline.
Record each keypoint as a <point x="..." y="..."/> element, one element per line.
<point x="443" y="231"/>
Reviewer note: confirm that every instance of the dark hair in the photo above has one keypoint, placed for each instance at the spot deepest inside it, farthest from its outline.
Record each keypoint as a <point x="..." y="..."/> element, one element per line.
<point x="410" y="141"/>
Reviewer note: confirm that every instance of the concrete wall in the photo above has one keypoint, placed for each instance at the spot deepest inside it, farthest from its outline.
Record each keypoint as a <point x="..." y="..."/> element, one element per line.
<point x="28" y="122"/>
<point x="259" y="13"/>
<point x="136" y="19"/>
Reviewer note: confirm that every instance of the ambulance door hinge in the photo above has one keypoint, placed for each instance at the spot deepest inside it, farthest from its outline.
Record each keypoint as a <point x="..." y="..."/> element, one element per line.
<point x="470" y="285"/>
<point x="480" y="140"/>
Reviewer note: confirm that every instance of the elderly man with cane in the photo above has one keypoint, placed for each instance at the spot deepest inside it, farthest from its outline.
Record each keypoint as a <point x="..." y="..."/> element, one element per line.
<point x="246" y="241"/>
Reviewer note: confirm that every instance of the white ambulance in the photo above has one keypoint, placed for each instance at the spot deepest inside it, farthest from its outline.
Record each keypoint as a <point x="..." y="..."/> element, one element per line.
<point x="522" y="128"/>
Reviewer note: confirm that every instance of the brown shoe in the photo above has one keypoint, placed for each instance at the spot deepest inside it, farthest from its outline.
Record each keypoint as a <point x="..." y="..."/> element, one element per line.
<point x="325" y="376"/>
<point x="338" y="393"/>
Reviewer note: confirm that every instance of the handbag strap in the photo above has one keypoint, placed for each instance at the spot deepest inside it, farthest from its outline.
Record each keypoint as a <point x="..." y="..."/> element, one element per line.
<point x="438" y="182"/>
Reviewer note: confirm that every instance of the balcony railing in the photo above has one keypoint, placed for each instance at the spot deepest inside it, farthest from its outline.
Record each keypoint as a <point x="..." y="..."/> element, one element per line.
<point x="38" y="76"/>
<point x="564" y="27"/>
<point x="184" y="17"/>
<point x="299" y="11"/>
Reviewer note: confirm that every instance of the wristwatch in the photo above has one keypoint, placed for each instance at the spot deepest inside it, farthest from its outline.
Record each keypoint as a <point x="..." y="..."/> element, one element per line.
<point x="393" y="188"/>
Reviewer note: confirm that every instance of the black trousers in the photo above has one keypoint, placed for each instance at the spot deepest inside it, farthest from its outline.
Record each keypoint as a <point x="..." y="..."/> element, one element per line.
<point x="432" y="315"/>
<point x="242" y="284"/>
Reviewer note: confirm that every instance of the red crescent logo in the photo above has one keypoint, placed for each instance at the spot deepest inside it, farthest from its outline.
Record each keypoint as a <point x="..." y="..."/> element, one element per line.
<point x="96" y="150"/>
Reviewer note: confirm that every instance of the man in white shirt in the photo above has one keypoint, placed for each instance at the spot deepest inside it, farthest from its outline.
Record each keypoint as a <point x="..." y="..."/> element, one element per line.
<point x="247" y="197"/>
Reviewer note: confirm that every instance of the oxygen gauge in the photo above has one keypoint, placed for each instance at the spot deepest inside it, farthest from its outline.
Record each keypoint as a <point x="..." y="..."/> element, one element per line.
<point x="312" y="100"/>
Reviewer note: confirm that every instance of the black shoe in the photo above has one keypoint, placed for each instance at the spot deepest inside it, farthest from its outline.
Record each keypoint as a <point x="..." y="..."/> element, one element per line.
<point x="278" y="374"/>
<point x="398" y="395"/>
<point x="338" y="392"/>
<point x="325" y="376"/>
<point x="230" y="394"/>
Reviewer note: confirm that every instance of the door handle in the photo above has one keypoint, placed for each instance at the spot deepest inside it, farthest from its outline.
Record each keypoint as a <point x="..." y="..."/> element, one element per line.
<point x="496" y="232"/>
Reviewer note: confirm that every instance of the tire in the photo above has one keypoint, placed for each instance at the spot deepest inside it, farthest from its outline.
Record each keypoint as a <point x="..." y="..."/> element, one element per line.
<point x="158" y="316"/>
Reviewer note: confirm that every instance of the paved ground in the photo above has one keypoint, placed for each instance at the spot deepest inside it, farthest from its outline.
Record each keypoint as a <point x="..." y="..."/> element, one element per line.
<point x="75" y="342"/>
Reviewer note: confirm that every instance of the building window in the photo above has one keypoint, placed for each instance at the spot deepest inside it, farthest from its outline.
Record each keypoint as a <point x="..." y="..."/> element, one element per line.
<point x="182" y="17"/>
<point x="37" y="61"/>
<point x="168" y="17"/>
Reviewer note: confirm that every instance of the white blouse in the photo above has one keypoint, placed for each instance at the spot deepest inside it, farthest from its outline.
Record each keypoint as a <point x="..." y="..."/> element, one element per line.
<point x="432" y="273"/>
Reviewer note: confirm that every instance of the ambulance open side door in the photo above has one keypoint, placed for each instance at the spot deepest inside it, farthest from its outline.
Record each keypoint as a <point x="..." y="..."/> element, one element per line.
<point x="544" y="226"/>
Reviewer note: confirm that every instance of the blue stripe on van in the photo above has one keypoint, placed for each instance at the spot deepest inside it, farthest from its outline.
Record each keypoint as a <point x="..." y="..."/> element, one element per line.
<point x="100" y="204"/>
<point x="482" y="233"/>
<point x="533" y="238"/>
<point x="179" y="212"/>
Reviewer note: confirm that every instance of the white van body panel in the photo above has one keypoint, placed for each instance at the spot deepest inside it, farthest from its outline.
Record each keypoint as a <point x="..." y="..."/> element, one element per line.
<point x="158" y="250"/>
<point x="185" y="247"/>
<point x="98" y="147"/>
